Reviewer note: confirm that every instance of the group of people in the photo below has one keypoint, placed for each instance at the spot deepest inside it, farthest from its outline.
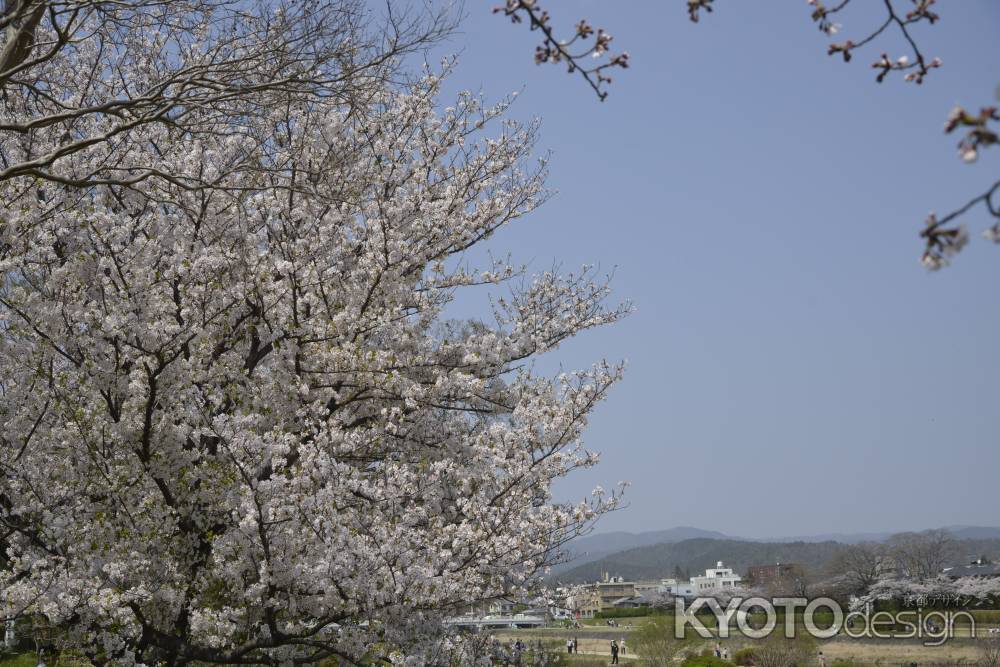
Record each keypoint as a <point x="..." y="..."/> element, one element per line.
<point x="617" y="648"/>
<point x="510" y="653"/>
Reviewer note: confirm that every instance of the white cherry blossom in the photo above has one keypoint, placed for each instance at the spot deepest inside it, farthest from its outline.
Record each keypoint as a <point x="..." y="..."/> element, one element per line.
<point x="237" y="425"/>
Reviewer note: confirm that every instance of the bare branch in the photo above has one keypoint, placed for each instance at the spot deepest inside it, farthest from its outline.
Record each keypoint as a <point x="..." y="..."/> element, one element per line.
<point x="555" y="51"/>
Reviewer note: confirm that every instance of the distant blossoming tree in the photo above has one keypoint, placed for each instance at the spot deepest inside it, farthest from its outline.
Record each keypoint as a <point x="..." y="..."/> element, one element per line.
<point x="236" y="422"/>
<point x="859" y="566"/>
<point x="921" y="556"/>
<point x="965" y="591"/>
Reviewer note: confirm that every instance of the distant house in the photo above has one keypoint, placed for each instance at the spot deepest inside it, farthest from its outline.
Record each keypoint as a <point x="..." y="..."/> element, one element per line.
<point x="647" y="587"/>
<point x="648" y="599"/>
<point x="612" y="589"/>
<point x="502" y="607"/>
<point x="628" y="603"/>
<point x="584" y="602"/>
<point x="681" y="589"/>
<point x="560" y="613"/>
<point x="589" y="599"/>
<point x="980" y="567"/>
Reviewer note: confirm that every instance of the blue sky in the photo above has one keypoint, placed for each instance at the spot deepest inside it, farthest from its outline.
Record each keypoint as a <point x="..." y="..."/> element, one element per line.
<point x="792" y="367"/>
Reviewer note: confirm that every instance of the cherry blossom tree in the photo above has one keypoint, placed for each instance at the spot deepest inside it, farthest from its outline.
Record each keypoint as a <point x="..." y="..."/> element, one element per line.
<point x="859" y="566"/>
<point x="725" y="595"/>
<point x="922" y="555"/>
<point x="91" y="76"/>
<point x="238" y="423"/>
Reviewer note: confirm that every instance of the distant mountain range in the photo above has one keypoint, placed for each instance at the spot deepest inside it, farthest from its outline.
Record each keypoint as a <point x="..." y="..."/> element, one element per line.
<point x="655" y="554"/>
<point x="694" y="556"/>
<point x="604" y="543"/>
<point x="596" y="546"/>
<point x="959" y="532"/>
<point x="974" y="532"/>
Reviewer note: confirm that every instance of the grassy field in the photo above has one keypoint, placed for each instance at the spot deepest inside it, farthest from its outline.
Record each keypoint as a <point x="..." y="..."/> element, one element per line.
<point x="595" y="650"/>
<point x="594" y="643"/>
<point x="858" y="652"/>
<point x="594" y="640"/>
<point x="65" y="659"/>
<point x="887" y="652"/>
<point x="18" y="661"/>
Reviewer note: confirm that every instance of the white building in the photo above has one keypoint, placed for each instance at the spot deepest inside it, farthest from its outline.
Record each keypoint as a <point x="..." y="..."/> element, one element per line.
<point x="502" y="607"/>
<point x="717" y="579"/>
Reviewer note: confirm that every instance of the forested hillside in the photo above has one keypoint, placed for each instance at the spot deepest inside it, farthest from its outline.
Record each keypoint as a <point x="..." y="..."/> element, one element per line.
<point x="695" y="555"/>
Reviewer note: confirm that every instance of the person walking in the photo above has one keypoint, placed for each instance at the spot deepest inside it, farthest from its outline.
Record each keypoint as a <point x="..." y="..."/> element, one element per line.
<point x="576" y="645"/>
<point x="621" y="646"/>
<point x="569" y="645"/>
<point x="614" y="652"/>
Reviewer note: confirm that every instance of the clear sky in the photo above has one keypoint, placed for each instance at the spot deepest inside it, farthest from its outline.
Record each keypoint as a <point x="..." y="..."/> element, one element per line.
<point x="792" y="367"/>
